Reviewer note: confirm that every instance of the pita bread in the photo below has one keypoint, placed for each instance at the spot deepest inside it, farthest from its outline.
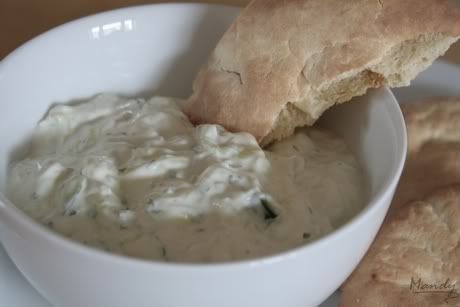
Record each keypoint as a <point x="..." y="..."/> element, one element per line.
<point x="415" y="260"/>
<point x="281" y="64"/>
<point x="433" y="158"/>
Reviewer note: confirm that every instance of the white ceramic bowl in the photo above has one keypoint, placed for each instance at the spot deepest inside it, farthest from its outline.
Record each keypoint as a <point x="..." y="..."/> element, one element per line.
<point x="158" y="49"/>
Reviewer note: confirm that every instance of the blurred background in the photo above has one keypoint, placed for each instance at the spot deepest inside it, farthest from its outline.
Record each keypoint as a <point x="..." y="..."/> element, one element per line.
<point x="20" y="20"/>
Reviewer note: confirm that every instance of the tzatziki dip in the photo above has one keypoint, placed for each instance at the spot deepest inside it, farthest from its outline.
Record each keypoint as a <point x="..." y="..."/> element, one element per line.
<point x="135" y="177"/>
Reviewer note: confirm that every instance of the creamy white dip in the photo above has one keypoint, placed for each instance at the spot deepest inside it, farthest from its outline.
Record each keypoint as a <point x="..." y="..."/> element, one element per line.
<point x="135" y="177"/>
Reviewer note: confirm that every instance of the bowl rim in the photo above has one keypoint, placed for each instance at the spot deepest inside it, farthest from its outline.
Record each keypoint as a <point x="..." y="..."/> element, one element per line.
<point x="39" y="231"/>
<point x="107" y="14"/>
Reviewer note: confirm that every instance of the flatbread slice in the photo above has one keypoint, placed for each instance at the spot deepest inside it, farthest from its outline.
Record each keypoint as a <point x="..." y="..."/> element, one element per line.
<point x="281" y="64"/>
<point x="415" y="260"/>
<point x="433" y="158"/>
